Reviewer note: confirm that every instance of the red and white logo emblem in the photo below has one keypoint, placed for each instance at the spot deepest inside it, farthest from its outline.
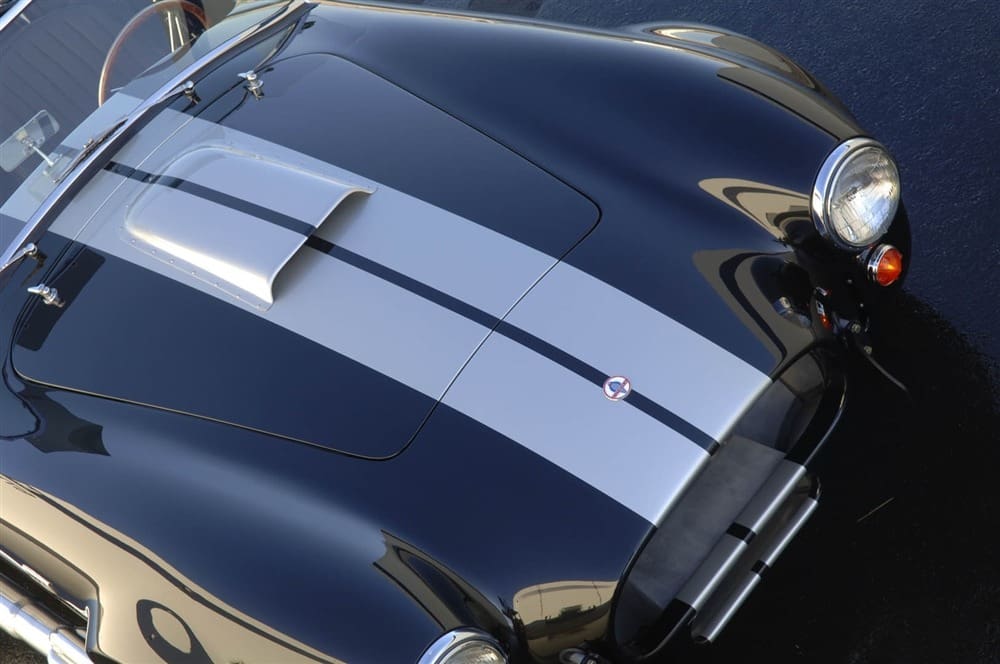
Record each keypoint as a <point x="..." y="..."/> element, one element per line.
<point x="617" y="388"/>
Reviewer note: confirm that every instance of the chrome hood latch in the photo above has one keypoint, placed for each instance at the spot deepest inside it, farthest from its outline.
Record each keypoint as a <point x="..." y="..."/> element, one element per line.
<point x="50" y="296"/>
<point x="255" y="85"/>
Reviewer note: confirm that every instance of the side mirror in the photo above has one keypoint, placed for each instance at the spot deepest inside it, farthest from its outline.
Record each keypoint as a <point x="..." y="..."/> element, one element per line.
<point x="27" y="139"/>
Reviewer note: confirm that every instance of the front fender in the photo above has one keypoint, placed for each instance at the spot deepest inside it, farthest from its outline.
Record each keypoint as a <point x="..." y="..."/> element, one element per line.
<point x="742" y="50"/>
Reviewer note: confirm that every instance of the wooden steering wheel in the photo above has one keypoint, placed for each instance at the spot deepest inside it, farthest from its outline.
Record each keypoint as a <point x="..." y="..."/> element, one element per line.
<point x="189" y="8"/>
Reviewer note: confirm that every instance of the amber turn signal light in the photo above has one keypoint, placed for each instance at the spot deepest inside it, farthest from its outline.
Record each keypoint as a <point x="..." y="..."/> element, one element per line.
<point x="885" y="265"/>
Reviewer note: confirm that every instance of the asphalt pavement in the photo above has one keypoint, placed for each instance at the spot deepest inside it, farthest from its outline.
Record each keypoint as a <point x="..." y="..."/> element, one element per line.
<point x="900" y="563"/>
<point x="15" y="652"/>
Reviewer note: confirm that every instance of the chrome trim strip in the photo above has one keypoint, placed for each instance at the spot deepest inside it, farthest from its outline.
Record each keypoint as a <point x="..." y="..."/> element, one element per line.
<point x="12" y="13"/>
<point x="97" y="157"/>
<point x="819" y="203"/>
<point x="31" y="623"/>
<point x="441" y="648"/>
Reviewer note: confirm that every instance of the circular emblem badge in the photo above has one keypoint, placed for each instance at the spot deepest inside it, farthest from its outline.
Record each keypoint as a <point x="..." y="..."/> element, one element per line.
<point x="617" y="388"/>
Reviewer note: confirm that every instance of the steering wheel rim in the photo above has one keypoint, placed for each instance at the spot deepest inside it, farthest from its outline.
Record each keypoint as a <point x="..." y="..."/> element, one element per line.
<point x="141" y="17"/>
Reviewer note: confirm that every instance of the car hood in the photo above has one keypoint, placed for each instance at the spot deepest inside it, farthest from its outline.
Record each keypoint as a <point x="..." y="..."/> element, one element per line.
<point x="700" y="159"/>
<point x="448" y="277"/>
<point x="323" y="283"/>
<point x="370" y="181"/>
<point x="331" y="255"/>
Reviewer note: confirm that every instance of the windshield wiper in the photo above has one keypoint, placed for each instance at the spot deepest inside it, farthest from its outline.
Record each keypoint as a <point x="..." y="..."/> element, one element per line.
<point x="26" y="251"/>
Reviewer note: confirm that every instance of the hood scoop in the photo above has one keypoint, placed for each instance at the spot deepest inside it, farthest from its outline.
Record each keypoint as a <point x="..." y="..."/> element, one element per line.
<point x="231" y="218"/>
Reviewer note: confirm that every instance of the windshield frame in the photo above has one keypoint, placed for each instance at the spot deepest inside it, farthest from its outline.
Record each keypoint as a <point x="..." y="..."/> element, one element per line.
<point x="114" y="137"/>
<point x="12" y="13"/>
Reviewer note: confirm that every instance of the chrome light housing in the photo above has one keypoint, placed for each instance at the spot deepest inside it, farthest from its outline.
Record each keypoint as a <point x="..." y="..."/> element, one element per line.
<point x="856" y="194"/>
<point x="464" y="646"/>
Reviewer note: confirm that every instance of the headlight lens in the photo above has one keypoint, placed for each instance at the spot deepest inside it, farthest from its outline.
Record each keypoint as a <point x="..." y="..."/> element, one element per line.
<point x="856" y="194"/>
<point x="464" y="646"/>
<point x="474" y="653"/>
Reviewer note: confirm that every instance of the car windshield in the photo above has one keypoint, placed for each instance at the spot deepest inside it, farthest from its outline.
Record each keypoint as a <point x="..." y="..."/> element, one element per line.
<point x="71" y="69"/>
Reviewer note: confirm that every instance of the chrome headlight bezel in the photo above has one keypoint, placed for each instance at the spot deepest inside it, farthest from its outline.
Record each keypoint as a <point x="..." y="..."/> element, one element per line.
<point x="826" y="182"/>
<point x="453" y="642"/>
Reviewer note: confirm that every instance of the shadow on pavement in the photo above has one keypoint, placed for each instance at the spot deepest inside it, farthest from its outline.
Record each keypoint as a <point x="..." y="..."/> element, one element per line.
<point x="900" y="562"/>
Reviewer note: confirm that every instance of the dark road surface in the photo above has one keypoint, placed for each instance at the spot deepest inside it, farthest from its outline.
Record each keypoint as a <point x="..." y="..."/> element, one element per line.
<point x="918" y="580"/>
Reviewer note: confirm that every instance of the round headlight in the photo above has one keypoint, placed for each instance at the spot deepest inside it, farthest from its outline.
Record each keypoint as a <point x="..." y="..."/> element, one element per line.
<point x="475" y="653"/>
<point x="464" y="646"/>
<point x="856" y="194"/>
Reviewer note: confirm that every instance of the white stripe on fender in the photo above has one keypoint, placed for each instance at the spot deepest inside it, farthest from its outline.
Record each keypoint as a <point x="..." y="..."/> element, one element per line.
<point x="564" y="418"/>
<point x="677" y="368"/>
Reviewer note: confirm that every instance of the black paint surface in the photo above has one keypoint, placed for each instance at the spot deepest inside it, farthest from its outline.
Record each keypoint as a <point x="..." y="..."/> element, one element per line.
<point x="918" y="579"/>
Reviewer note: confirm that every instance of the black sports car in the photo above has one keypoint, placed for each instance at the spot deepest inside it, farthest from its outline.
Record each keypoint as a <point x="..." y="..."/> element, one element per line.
<point x="333" y="332"/>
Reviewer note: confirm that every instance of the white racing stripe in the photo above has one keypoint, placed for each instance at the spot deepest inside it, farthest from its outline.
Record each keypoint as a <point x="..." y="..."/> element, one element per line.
<point x="564" y="418"/>
<point x="621" y="451"/>
<point x="670" y="364"/>
<point x="214" y="232"/>
<point x="608" y="329"/>
<point x="445" y="251"/>
<point x="340" y="307"/>
<point x="617" y="449"/>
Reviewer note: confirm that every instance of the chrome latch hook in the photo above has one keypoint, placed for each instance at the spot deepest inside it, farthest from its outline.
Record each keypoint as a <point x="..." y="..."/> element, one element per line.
<point x="254" y="85"/>
<point x="190" y="92"/>
<point x="50" y="296"/>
